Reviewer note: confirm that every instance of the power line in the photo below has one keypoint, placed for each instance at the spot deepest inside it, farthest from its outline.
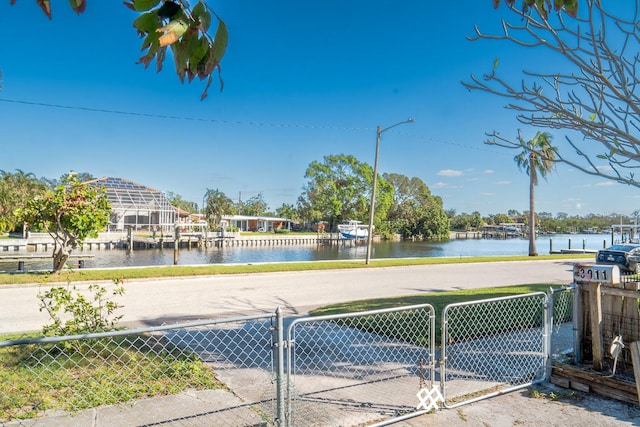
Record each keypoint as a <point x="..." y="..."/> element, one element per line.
<point x="195" y="119"/>
<point x="239" y="123"/>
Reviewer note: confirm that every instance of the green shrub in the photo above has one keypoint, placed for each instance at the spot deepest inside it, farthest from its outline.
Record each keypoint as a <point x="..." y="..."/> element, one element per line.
<point x="89" y="311"/>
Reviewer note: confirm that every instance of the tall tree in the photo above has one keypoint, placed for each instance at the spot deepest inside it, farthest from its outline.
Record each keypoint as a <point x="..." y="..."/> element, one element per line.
<point x="70" y="213"/>
<point x="338" y="189"/>
<point x="216" y="205"/>
<point x="177" y="201"/>
<point x="253" y="206"/>
<point x="176" y="25"/>
<point x="415" y="212"/>
<point x="537" y="158"/>
<point x="476" y="220"/>
<point x="16" y="189"/>
<point x="590" y="86"/>
<point x="288" y="211"/>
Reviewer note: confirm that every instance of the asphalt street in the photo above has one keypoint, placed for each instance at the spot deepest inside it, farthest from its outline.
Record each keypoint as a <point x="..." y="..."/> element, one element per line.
<point x="155" y="301"/>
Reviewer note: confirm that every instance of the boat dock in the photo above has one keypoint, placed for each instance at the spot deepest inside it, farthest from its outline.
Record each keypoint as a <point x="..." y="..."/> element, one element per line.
<point x="185" y="240"/>
<point x="21" y="258"/>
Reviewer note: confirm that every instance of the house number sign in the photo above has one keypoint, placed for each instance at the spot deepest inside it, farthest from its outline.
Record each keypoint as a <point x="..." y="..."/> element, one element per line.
<point x="596" y="273"/>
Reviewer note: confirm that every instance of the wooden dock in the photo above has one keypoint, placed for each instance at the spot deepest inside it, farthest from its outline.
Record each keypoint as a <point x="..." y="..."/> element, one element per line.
<point x="24" y="248"/>
<point x="21" y="258"/>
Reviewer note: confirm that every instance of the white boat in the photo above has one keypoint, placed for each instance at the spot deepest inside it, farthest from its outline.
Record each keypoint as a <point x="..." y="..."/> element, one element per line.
<point x="353" y="230"/>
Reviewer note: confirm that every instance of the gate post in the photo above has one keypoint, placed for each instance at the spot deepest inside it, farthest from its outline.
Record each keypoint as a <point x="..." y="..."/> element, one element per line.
<point x="549" y="310"/>
<point x="280" y="416"/>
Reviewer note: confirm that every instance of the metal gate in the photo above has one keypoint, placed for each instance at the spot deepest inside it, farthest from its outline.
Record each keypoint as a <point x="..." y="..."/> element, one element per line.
<point x="359" y="368"/>
<point x="493" y="346"/>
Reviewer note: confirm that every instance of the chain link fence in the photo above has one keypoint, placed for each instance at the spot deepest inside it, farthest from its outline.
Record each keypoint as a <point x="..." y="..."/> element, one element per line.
<point x="349" y="369"/>
<point x="199" y="373"/>
<point x="359" y="368"/>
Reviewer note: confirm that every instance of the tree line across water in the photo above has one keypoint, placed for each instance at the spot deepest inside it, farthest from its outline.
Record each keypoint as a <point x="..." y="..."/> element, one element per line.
<point x="338" y="189"/>
<point x="546" y="222"/>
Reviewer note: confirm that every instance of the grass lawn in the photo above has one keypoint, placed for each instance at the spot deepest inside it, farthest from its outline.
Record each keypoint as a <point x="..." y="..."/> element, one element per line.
<point x="216" y="269"/>
<point x="439" y="300"/>
<point x="76" y="375"/>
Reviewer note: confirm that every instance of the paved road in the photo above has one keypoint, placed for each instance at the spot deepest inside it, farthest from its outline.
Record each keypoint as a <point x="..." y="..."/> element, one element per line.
<point x="182" y="299"/>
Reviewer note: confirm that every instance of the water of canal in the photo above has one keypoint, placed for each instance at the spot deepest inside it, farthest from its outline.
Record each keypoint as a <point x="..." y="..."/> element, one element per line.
<point x="312" y="252"/>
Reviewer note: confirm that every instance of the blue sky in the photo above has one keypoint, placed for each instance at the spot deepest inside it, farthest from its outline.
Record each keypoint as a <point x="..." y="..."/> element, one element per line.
<point x="303" y="79"/>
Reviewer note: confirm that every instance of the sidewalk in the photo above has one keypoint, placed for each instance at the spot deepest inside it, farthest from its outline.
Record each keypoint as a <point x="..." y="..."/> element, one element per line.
<point x="521" y="408"/>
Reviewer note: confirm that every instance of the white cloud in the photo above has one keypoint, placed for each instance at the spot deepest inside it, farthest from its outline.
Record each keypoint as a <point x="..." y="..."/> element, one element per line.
<point x="444" y="185"/>
<point x="502" y="182"/>
<point x="487" y="194"/>
<point x="605" y="184"/>
<point x="450" y="172"/>
<point x="488" y="171"/>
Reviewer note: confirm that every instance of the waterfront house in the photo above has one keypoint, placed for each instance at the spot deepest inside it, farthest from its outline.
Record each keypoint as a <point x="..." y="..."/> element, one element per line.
<point x="135" y="206"/>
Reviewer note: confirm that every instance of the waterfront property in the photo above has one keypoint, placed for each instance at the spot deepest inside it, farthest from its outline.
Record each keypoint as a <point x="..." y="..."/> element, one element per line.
<point x="256" y="223"/>
<point x="135" y="206"/>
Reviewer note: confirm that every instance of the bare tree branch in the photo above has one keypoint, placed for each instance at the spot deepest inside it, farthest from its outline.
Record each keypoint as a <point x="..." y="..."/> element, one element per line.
<point x="591" y="92"/>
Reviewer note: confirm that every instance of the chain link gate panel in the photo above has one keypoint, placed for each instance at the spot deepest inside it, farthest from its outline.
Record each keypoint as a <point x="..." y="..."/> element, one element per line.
<point x="563" y="332"/>
<point x="359" y="368"/>
<point x="493" y="346"/>
<point x="191" y="374"/>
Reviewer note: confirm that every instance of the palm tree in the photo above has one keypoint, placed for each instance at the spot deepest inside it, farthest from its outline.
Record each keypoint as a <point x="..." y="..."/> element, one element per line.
<point x="537" y="158"/>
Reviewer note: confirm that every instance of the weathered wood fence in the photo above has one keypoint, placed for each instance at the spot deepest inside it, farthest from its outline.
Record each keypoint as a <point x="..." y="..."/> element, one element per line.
<point x="607" y="323"/>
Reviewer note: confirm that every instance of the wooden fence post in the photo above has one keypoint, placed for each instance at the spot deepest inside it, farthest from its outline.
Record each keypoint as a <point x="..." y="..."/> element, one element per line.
<point x="595" y="309"/>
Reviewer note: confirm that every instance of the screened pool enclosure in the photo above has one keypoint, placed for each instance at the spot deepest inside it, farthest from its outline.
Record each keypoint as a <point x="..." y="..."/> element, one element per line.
<point x="135" y="206"/>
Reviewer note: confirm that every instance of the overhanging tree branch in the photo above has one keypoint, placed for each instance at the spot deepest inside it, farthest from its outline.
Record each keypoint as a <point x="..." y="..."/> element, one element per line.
<point x="179" y="26"/>
<point x="592" y="92"/>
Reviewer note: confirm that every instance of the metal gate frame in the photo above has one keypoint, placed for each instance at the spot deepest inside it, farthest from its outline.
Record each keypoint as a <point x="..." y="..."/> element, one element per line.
<point x="477" y="351"/>
<point x="356" y="340"/>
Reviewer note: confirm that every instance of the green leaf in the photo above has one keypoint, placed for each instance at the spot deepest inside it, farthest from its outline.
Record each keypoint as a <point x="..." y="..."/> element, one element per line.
<point x="198" y="50"/>
<point x="495" y="64"/>
<point x="571" y="6"/>
<point x="160" y="56"/>
<point x="593" y="117"/>
<point x="201" y="15"/>
<point x="220" y="42"/>
<point x="144" y="5"/>
<point x="147" y="22"/>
